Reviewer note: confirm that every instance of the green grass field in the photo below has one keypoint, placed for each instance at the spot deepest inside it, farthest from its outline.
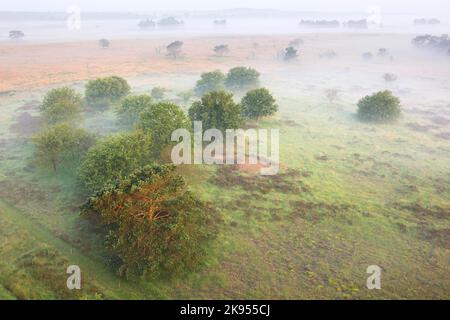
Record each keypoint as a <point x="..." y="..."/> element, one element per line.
<point x="348" y="195"/>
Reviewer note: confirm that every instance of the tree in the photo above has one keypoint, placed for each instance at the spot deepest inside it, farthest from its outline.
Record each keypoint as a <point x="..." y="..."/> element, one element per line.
<point x="389" y="77"/>
<point x="16" y="34"/>
<point x="258" y="103"/>
<point x="102" y="92"/>
<point x="379" y="107"/>
<point x="174" y="49"/>
<point x="332" y="95"/>
<point x="160" y="120"/>
<point x="210" y="81"/>
<point x="114" y="158"/>
<point x="382" y="52"/>
<point x="217" y="110"/>
<point x="131" y="106"/>
<point x="153" y="225"/>
<point x="61" y="144"/>
<point x="290" y="53"/>
<point x="186" y="95"/>
<point x="221" y="49"/>
<point x="146" y="24"/>
<point x="170" y="22"/>
<point x="61" y="104"/>
<point x="241" y="78"/>
<point x="367" y="56"/>
<point x="104" y="43"/>
<point x="158" y="93"/>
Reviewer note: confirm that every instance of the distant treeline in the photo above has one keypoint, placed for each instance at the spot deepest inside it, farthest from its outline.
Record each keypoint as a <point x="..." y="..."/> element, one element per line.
<point x="320" y="23"/>
<point x="426" y="21"/>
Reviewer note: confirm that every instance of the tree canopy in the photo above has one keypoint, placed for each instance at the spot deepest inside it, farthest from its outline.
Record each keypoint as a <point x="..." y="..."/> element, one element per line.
<point x="114" y="158"/>
<point x="160" y="120"/>
<point x="218" y="110"/>
<point x="379" y="107"/>
<point x="102" y="92"/>
<point x="210" y="81"/>
<point x="154" y="226"/>
<point x="61" y="104"/>
<point x="258" y="103"/>
<point x="130" y="107"/>
<point x="241" y="78"/>
<point x="60" y="144"/>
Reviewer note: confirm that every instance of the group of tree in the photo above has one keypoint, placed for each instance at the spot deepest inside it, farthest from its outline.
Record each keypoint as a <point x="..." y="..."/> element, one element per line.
<point x="170" y="22"/>
<point x="146" y="24"/>
<point x="220" y="22"/>
<point x="423" y="21"/>
<point x="217" y="109"/>
<point x="320" y="23"/>
<point x="440" y="43"/>
<point x="16" y="34"/>
<point x="237" y="79"/>
<point x="357" y="24"/>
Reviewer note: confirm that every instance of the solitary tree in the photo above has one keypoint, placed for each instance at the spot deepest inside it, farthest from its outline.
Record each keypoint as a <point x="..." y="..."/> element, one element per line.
<point x="61" y="143"/>
<point x="153" y="225"/>
<point x="221" y="49"/>
<point x="102" y="92"/>
<point x="160" y="120"/>
<point x="217" y="110"/>
<point x="290" y="53"/>
<point x="130" y="108"/>
<point x="104" y="43"/>
<point x="174" y="49"/>
<point x="210" y="81"/>
<point x="258" y="103"/>
<point x="379" y="107"/>
<point x="241" y="78"/>
<point x="61" y="104"/>
<point x="114" y="158"/>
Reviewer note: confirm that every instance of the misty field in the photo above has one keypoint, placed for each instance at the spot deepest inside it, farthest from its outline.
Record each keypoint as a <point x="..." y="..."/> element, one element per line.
<point x="349" y="193"/>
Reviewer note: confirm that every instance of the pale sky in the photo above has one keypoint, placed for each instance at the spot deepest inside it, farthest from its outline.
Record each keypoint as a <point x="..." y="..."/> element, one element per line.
<point x="397" y="6"/>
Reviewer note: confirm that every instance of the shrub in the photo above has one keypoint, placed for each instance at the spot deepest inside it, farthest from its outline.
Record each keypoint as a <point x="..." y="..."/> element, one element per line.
<point x="290" y="53"/>
<point x="154" y="227"/>
<point x="258" y="103"/>
<point x="160" y="120"/>
<point x="114" y="158"/>
<point x="379" y="107"/>
<point x="104" y="43"/>
<point x="241" y="78"/>
<point x="217" y="110"/>
<point x="61" y="144"/>
<point x="221" y="49"/>
<point x="61" y="104"/>
<point x="210" y="81"/>
<point x="130" y="107"/>
<point x="102" y="92"/>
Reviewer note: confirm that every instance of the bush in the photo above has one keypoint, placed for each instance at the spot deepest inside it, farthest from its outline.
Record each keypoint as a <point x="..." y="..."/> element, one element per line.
<point x="379" y="107"/>
<point x="241" y="78"/>
<point x="114" y="158"/>
<point x="290" y="53"/>
<point x="154" y="227"/>
<point x="102" y="92"/>
<point x="104" y="43"/>
<point x="160" y="120"/>
<point x="258" y="103"/>
<point x="210" y="81"/>
<point x="61" y="104"/>
<point x="217" y="110"/>
<point x="61" y="144"/>
<point x="130" y="107"/>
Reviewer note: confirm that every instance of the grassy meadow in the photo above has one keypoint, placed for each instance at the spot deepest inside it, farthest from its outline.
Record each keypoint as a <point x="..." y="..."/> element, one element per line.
<point x="348" y="195"/>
